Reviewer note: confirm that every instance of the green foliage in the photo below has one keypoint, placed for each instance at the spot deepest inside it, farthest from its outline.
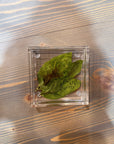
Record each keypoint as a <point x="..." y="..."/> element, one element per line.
<point x="56" y="76"/>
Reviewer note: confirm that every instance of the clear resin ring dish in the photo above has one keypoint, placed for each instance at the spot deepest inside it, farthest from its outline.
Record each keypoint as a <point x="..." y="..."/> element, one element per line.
<point x="39" y="55"/>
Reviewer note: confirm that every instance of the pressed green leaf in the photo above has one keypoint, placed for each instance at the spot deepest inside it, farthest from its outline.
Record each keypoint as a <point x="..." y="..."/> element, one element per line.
<point x="75" y="68"/>
<point x="68" y="86"/>
<point x="54" y="68"/>
<point x="56" y="76"/>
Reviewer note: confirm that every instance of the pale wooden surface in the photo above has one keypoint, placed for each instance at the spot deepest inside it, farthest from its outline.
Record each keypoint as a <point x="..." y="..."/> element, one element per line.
<point x="56" y="23"/>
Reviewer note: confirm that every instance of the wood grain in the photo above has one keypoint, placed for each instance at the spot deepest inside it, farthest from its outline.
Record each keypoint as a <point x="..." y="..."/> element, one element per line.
<point x="25" y="18"/>
<point x="24" y="23"/>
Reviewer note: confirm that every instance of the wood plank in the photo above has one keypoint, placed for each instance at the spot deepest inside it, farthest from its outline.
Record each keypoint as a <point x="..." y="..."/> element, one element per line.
<point x="56" y="23"/>
<point x="33" y="18"/>
<point x="69" y="116"/>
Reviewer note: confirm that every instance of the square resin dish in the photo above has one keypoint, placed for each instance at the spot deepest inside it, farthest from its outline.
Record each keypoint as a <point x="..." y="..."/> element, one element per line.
<point x="39" y="55"/>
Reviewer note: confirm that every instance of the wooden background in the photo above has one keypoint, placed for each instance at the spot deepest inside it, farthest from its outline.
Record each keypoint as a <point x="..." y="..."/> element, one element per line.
<point x="26" y="23"/>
